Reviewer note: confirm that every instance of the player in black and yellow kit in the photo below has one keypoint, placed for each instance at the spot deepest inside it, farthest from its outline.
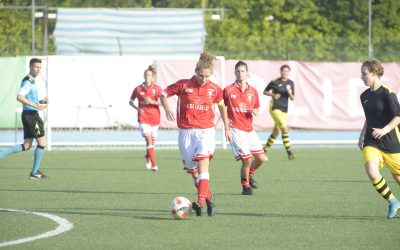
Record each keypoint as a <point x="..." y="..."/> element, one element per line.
<point x="280" y="90"/>
<point x="380" y="136"/>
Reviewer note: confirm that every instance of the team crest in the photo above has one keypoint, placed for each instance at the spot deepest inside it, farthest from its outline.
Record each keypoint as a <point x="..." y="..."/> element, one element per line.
<point x="210" y="92"/>
<point x="189" y="90"/>
<point x="250" y="97"/>
<point x="233" y="96"/>
<point x="141" y="93"/>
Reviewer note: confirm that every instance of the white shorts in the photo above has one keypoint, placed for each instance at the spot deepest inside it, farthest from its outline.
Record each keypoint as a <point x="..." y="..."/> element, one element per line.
<point x="245" y="144"/>
<point x="147" y="130"/>
<point x="196" y="144"/>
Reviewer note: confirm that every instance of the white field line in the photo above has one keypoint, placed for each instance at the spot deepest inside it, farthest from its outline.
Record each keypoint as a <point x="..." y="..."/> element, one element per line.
<point x="63" y="226"/>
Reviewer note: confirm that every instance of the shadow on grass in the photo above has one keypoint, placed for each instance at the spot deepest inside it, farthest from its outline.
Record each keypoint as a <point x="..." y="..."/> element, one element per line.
<point x="305" y="216"/>
<point x="132" y="213"/>
<point x="82" y="192"/>
<point x="154" y="214"/>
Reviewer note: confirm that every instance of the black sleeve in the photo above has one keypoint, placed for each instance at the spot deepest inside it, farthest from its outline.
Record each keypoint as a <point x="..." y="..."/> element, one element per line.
<point x="393" y="104"/>
<point x="269" y="86"/>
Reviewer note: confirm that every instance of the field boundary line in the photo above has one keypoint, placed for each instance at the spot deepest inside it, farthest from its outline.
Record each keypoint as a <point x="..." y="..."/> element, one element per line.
<point x="63" y="226"/>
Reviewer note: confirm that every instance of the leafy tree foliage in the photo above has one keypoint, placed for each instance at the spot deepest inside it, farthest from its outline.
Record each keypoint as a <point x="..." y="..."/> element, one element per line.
<point x="308" y="30"/>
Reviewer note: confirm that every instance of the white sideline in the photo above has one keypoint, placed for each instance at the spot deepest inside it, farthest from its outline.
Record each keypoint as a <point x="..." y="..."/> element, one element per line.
<point x="63" y="226"/>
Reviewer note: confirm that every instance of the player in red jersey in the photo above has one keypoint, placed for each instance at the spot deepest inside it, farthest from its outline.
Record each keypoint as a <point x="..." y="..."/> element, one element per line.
<point x="148" y="94"/>
<point x="242" y="104"/>
<point x="195" y="120"/>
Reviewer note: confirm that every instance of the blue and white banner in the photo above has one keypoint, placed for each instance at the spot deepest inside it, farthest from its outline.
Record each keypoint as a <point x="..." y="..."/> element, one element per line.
<point x="144" y="32"/>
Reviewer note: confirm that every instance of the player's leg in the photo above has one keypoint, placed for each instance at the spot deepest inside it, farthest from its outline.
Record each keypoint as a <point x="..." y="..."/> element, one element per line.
<point x="145" y="130"/>
<point x="150" y="153"/>
<point x="373" y="160"/>
<point x="286" y="143"/>
<point x="152" y="142"/>
<point x="204" y="141"/>
<point x="15" y="149"/>
<point x="259" y="156"/>
<point x="396" y="177"/>
<point x="393" y="163"/>
<point x="244" y="176"/>
<point x="276" y="130"/>
<point x="28" y="137"/>
<point x="37" y="158"/>
<point x="187" y="150"/>
<point x="241" y="151"/>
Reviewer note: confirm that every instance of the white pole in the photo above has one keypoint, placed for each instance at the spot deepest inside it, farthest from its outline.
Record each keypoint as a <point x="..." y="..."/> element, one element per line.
<point x="33" y="27"/>
<point x="49" y="135"/>
<point x="370" y="51"/>
<point x="223" y="84"/>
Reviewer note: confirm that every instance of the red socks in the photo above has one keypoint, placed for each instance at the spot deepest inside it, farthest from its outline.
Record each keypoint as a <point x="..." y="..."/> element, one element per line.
<point x="245" y="183"/>
<point x="252" y="171"/>
<point x="151" y="155"/>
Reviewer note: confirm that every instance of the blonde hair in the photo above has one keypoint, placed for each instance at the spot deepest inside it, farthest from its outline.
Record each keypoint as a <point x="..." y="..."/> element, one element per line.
<point x="374" y="66"/>
<point x="151" y="68"/>
<point x="205" y="61"/>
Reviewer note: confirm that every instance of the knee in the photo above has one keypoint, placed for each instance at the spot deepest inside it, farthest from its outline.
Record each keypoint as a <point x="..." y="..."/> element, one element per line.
<point x="372" y="170"/>
<point x="26" y="146"/>
<point x="263" y="158"/>
<point x="246" y="162"/>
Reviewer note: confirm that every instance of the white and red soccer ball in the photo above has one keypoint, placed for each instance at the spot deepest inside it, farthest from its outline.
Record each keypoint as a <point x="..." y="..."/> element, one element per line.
<point x="180" y="208"/>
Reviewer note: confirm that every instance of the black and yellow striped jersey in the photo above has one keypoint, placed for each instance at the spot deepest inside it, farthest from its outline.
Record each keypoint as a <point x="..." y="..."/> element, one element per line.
<point x="278" y="86"/>
<point x="380" y="107"/>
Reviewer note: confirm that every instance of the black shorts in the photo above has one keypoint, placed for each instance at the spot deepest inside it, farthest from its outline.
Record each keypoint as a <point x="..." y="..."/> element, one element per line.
<point x="33" y="124"/>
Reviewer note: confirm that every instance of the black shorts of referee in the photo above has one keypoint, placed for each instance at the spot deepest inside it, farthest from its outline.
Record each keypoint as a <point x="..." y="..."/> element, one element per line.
<point x="33" y="124"/>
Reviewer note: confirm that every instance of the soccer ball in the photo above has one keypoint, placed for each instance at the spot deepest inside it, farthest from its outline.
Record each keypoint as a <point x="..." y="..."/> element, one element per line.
<point x="180" y="208"/>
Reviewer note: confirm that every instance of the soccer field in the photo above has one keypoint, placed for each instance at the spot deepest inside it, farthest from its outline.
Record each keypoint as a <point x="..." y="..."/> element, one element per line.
<point x="321" y="200"/>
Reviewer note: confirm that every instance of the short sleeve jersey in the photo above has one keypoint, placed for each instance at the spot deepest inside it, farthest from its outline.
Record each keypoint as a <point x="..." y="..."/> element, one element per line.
<point x="151" y="114"/>
<point x="380" y="107"/>
<point x="240" y="105"/>
<point x="278" y="86"/>
<point x="195" y="108"/>
<point x="30" y="91"/>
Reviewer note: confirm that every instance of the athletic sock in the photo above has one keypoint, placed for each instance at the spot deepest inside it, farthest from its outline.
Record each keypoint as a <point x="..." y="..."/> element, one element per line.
<point x="382" y="188"/>
<point x="286" y="141"/>
<point x="151" y="155"/>
<point x="12" y="150"/>
<point x="270" y="141"/>
<point x="37" y="158"/>
<point x="203" y="188"/>
<point x="252" y="171"/>
<point x="245" y="183"/>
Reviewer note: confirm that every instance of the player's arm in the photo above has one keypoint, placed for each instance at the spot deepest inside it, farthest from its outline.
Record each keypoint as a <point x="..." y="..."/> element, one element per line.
<point x="22" y="99"/>
<point x="148" y="100"/>
<point x="165" y="104"/>
<point x="224" y="116"/>
<point x="290" y="92"/>
<point x="255" y="111"/>
<point x="380" y="132"/>
<point x="394" y="109"/>
<point x="268" y="91"/>
<point x="132" y="103"/>
<point x="44" y="101"/>
<point x="362" y="135"/>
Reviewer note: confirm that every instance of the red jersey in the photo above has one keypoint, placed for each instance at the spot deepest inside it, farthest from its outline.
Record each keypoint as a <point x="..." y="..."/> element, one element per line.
<point x="151" y="114"/>
<point x="240" y="106"/>
<point x="195" y="108"/>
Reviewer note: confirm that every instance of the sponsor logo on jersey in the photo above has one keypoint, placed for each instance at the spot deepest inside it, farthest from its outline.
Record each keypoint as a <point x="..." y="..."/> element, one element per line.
<point x="198" y="104"/>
